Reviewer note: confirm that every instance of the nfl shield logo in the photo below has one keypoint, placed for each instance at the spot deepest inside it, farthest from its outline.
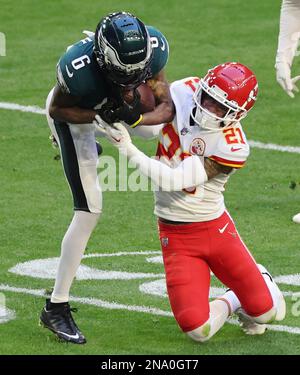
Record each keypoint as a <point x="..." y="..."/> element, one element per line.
<point x="164" y="241"/>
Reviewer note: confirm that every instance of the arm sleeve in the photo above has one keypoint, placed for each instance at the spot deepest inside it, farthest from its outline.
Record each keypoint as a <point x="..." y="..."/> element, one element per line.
<point x="289" y="32"/>
<point x="146" y="132"/>
<point x="189" y="173"/>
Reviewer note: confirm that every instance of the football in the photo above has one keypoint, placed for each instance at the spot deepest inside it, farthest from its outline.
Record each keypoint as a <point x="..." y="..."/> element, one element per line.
<point x="146" y="97"/>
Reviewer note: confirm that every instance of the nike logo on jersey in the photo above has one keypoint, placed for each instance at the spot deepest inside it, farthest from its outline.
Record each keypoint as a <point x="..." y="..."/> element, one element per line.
<point x="222" y="230"/>
<point x="68" y="72"/>
<point x="233" y="149"/>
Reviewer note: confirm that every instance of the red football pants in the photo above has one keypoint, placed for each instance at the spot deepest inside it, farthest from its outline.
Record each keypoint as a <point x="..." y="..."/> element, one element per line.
<point x="190" y="251"/>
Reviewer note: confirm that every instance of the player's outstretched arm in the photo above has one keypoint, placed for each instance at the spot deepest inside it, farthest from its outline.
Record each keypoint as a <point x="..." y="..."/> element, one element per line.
<point x="189" y="173"/>
<point x="288" y="39"/>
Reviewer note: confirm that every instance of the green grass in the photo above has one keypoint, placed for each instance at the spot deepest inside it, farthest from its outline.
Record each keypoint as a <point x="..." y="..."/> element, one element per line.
<point x="36" y="205"/>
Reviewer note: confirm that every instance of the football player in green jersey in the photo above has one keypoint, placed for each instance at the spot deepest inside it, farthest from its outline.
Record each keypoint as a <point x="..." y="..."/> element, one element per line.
<point x="93" y="77"/>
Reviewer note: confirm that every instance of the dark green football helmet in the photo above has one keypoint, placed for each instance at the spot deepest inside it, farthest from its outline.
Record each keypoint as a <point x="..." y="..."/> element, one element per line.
<point x="123" y="49"/>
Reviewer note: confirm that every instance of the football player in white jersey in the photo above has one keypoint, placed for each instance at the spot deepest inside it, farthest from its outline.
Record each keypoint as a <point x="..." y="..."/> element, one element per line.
<point x="288" y="40"/>
<point x="198" y="151"/>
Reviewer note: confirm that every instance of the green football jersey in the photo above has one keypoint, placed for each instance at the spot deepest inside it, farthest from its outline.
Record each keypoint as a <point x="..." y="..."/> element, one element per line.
<point x="78" y="72"/>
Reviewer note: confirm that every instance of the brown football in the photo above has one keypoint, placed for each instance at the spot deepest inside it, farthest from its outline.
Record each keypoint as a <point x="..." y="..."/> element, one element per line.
<point x="147" y="98"/>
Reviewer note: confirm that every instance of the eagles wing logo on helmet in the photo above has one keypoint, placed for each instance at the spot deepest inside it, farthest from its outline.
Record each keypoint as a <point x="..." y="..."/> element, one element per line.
<point x="123" y="49"/>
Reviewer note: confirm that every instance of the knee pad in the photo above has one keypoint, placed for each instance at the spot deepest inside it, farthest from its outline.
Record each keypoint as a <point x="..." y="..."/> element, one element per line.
<point x="267" y="317"/>
<point x="200" y="334"/>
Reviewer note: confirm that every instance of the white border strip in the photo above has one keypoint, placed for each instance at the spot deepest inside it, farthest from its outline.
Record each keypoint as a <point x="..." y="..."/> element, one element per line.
<point x="272" y="146"/>
<point x="271" y="327"/>
<point x="7" y="315"/>
<point x="22" y="108"/>
<point x="254" y="144"/>
<point x="90" y="301"/>
<point x="121" y="253"/>
<point x="118" y="306"/>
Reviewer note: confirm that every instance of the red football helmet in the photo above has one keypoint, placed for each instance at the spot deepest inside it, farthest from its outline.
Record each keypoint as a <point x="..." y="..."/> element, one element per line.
<point x="233" y="86"/>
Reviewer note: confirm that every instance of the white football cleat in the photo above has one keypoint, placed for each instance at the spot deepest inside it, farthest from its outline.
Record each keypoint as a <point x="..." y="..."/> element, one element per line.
<point x="277" y="296"/>
<point x="296" y="218"/>
<point x="248" y="325"/>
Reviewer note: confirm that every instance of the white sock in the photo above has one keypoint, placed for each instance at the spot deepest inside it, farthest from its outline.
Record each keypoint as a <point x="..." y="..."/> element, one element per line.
<point x="72" y="249"/>
<point x="232" y="299"/>
<point x="218" y="315"/>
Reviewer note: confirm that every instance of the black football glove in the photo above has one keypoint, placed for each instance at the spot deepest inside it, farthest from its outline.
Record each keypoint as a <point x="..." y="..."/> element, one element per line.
<point x="130" y="113"/>
<point x="107" y="111"/>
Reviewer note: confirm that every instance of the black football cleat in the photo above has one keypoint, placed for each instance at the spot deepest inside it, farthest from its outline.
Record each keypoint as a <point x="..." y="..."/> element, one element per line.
<point x="53" y="141"/>
<point x="60" y="321"/>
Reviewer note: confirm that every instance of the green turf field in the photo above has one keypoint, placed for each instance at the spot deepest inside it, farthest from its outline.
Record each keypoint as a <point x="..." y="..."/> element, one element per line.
<point x="116" y="316"/>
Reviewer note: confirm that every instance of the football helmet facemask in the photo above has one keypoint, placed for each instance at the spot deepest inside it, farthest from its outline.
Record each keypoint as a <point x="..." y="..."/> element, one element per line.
<point x="123" y="49"/>
<point x="233" y="88"/>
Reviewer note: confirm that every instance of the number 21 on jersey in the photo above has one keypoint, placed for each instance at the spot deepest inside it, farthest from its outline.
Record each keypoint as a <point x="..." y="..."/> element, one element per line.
<point x="233" y="136"/>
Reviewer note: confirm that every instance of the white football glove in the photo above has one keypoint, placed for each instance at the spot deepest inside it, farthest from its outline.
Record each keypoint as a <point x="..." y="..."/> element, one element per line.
<point x="88" y="33"/>
<point x="116" y="133"/>
<point x="283" y="76"/>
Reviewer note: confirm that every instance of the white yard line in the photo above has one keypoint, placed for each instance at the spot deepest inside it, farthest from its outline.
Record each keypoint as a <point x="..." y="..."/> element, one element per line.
<point x="272" y="327"/>
<point x="90" y="301"/>
<point x="253" y="144"/>
<point x="121" y="253"/>
<point x="22" y="108"/>
<point x="274" y="147"/>
<point x="117" y="306"/>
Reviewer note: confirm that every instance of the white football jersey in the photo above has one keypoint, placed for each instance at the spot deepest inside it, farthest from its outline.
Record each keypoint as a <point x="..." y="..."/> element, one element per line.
<point x="182" y="138"/>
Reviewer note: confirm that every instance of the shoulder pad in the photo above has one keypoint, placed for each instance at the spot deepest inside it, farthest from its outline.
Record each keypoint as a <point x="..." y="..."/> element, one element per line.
<point x="72" y="68"/>
<point x="232" y="149"/>
<point x="185" y="86"/>
<point x="160" y="47"/>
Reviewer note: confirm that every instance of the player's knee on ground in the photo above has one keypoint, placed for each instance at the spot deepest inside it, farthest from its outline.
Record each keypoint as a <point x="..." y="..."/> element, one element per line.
<point x="267" y="317"/>
<point x="194" y="322"/>
<point x="202" y="333"/>
<point x="191" y="317"/>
